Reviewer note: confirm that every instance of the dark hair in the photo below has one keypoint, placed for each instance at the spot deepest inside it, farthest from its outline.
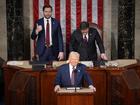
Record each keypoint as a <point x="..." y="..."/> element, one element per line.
<point x="47" y="6"/>
<point x="84" y="25"/>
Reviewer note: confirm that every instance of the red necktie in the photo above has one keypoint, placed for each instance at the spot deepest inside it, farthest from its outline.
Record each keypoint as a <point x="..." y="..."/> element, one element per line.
<point x="47" y="34"/>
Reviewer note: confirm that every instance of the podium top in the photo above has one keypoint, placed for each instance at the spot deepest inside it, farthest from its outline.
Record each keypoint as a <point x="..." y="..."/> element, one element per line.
<point x="73" y="90"/>
<point x="55" y="64"/>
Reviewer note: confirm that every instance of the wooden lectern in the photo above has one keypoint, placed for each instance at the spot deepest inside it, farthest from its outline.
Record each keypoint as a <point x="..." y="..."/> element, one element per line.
<point x="83" y="96"/>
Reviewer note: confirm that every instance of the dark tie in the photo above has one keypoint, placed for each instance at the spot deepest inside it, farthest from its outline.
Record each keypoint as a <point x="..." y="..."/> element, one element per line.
<point x="73" y="77"/>
<point x="85" y="39"/>
<point x="47" y="34"/>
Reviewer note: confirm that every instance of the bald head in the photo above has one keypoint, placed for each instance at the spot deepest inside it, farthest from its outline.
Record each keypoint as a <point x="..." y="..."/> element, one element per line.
<point x="74" y="58"/>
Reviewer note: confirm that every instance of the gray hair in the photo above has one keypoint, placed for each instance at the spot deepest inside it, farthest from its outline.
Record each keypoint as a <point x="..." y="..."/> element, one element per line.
<point x="73" y="53"/>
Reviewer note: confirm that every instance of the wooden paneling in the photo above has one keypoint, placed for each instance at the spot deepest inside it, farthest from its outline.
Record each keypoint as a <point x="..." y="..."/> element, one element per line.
<point x="48" y="96"/>
<point x="111" y="87"/>
<point x="9" y="71"/>
<point x="75" y="99"/>
<point x="37" y="88"/>
<point x="118" y="91"/>
<point x="99" y="81"/>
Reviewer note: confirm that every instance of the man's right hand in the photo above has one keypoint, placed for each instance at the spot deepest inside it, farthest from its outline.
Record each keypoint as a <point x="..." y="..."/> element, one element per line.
<point x="38" y="29"/>
<point x="103" y="56"/>
<point x="57" y="88"/>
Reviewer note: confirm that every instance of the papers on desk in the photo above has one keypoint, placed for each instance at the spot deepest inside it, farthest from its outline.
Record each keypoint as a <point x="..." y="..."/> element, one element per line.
<point x="87" y="63"/>
<point x="120" y="62"/>
<point x="15" y="63"/>
<point x="23" y="64"/>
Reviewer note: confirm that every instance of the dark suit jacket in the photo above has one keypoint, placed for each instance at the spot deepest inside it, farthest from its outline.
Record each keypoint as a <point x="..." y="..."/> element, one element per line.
<point x="57" y="40"/>
<point x="88" y="52"/>
<point x="63" y="76"/>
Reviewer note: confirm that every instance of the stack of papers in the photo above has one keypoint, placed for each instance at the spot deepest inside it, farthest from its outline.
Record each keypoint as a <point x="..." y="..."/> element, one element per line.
<point x="15" y="63"/>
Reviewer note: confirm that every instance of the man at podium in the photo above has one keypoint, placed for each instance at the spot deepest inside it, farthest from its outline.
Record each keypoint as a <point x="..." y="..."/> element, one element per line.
<point x="72" y="74"/>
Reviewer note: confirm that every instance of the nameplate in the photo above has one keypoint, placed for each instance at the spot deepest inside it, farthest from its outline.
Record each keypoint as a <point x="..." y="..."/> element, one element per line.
<point x="73" y="88"/>
<point x="77" y="90"/>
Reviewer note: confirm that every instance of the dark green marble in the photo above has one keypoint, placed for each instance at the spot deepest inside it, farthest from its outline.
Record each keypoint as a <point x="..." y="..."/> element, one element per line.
<point x="17" y="45"/>
<point x="126" y="26"/>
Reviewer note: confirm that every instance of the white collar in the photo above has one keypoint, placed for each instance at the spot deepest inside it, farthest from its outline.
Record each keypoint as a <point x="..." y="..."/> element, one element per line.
<point x="72" y="66"/>
<point x="47" y="19"/>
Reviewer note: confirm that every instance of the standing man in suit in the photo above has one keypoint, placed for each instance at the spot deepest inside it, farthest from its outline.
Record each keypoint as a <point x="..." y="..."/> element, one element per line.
<point x="47" y="32"/>
<point x="83" y="41"/>
<point x="72" y="74"/>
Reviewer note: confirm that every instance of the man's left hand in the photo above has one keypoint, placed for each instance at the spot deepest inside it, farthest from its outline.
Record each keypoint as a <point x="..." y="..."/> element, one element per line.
<point x="60" y="56"/>
<point x="103" y="56"/>
<point x="92" y="87"/>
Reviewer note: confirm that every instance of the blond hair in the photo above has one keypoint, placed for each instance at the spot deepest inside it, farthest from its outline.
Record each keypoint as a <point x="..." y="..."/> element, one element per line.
<point x="73" y="53"/>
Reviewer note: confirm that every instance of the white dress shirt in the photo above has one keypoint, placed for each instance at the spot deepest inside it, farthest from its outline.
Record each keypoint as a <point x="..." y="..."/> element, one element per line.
<point x="50" y="29"/>
<point x="71" y="69"/>
<point x="86" y="36"/>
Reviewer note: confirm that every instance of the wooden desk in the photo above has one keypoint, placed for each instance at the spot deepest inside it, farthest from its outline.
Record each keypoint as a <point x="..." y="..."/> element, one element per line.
<point x="80" y="97"/>
<point x="111" y="88"/>
<point x="9" y="72"/>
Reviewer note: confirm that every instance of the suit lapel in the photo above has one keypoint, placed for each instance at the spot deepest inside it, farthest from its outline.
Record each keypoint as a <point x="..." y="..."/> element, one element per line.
<point x="89" y="36"/>
<point x="67" y="74"/>
<point x="42" y="23"/>
<point x="78" y="75"/>
<point x="53" y="24"/>
<point x="43" y="27"/>
<point x="80" y="36"/>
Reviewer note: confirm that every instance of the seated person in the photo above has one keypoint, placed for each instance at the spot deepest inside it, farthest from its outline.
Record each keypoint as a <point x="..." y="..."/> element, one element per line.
<point x="72" y="74"/>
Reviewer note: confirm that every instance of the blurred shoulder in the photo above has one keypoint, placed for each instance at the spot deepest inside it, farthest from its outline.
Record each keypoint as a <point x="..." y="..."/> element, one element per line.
<point x="81" y="65"/>
<point x="62" y="67"/>
<point x="41" y="19"/>
<point x="55" y="20"/>
<point x="76" y="32"/>
<point x="92" y="29"/>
